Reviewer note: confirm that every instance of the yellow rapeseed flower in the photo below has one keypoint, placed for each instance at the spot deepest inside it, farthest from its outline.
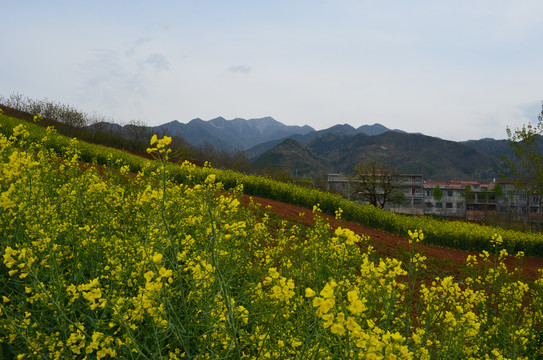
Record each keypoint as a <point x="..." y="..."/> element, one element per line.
<point x="337" y="328"/>
<point x="157" y="258"/>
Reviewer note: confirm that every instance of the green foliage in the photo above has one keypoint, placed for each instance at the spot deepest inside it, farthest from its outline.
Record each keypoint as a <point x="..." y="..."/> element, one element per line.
<point x="397" y="196"/>
<point x="468" y="194"/>
<point x="437" y="194"/>
<point x="497" y="191"/>
<point x="527" y="168"/>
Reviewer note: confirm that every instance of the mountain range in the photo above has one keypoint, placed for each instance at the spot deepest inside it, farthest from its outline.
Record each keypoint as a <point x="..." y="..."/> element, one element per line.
<point x="302" y="150"/>
<point x="236" y="134"/>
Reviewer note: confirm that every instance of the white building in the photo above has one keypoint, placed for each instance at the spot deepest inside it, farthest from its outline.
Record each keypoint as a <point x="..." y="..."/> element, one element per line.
<point x="459" y="198"/>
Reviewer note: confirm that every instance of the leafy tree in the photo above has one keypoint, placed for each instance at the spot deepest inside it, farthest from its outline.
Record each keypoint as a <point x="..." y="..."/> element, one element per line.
<point x="497" y="193"/>
<point x="527" y="166"/>
<point x="397" y="196"/>
<point x="437" y="194"/>
<point x="469" y="195"/>
<point x="377" y="184"/>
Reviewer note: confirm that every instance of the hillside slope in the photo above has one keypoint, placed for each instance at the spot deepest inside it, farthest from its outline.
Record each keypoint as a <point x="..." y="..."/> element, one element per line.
<point x="291" y="156"/>
<point x="434" y="158"/>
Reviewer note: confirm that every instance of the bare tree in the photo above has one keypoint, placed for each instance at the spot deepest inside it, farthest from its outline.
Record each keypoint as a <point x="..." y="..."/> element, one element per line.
<point x="378" y="184"/>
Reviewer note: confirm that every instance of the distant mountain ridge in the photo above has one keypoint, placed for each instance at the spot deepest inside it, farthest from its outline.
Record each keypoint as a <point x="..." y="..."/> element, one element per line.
<point x="432" y="157"/>
<point x="232" y="134"/>
<point x="242" y="134"/>
<point x="340" y="130"/>
<point x="302" y="150"/>
<point x="375" y="129"/>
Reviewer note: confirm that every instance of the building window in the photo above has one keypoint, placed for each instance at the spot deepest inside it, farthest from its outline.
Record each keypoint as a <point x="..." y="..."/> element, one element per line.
<point x="428" y="193"/>
<point x="449" y="205"/>
<point x="429" y="205"/>
<point x="439" y="205"/>
<point x="459" y="205"/>
<point x="417" y="202"/>
<point x="449" y="193"/>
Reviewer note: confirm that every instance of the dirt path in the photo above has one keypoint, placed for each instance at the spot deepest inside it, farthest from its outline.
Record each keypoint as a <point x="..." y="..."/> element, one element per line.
<point x="388" y="244"/>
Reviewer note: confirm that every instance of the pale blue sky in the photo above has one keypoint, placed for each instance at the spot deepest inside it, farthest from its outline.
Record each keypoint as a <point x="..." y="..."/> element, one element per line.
<point x="454" y="69"/>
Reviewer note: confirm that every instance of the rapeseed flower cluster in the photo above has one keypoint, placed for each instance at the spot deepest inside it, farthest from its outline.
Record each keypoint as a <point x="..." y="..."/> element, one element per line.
<point x="101" y="263"/>
<point x="161" y="145"/>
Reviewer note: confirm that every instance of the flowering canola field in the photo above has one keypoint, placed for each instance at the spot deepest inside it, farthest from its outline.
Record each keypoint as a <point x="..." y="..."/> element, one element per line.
<point x="97" y="262"/>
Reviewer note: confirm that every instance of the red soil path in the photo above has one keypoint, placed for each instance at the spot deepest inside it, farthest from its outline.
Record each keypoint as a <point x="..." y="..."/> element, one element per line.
<point x="448" y="260"/>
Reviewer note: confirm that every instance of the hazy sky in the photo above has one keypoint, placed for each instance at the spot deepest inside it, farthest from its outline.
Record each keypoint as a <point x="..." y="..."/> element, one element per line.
<point x="454" y="69"/>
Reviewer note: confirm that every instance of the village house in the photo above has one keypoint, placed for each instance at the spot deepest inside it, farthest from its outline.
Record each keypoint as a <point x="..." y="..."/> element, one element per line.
<point x="460" y="198"/>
